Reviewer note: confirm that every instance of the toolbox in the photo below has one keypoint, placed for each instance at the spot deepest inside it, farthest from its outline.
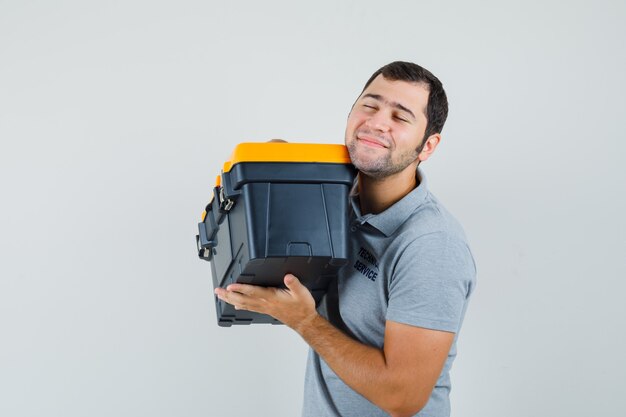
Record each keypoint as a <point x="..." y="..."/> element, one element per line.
<point x="277" y="208"/>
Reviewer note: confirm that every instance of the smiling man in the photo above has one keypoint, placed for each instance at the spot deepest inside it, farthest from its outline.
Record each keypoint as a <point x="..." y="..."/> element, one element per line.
<point x="384" y="339"/>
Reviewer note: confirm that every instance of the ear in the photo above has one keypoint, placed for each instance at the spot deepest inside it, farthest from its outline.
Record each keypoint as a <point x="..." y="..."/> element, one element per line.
<point x="429" y="147"/>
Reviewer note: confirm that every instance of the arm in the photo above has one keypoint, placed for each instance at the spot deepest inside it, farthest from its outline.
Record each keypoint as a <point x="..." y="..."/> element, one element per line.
<point x="399" y="378"/>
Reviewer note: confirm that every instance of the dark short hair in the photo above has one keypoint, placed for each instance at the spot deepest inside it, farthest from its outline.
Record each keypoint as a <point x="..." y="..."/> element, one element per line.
<point x="437" y="108"/>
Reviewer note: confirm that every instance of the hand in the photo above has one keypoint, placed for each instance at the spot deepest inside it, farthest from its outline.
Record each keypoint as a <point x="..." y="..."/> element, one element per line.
<point x="293" y="306"/>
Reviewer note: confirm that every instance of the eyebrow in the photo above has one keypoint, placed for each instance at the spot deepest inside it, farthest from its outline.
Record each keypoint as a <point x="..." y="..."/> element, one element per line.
<point x="398" y="106"/>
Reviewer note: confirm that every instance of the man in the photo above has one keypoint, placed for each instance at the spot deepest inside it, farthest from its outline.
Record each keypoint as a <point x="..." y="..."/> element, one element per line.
<point x="386" y="342"/>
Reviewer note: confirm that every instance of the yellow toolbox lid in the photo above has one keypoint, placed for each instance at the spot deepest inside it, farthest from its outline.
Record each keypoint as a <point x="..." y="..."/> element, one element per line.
<point x="288" y="152"/>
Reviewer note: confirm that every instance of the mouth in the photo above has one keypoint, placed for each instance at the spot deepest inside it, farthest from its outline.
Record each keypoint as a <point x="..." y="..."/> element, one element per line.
<point x="371" y="141"/>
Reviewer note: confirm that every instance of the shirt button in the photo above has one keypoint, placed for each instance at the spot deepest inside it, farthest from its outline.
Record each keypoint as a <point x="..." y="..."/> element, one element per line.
<point x="353" y="229"/>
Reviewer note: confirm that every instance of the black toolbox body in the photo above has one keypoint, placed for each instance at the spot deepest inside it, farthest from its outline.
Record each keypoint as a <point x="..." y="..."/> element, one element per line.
<point x="267" y="219"/>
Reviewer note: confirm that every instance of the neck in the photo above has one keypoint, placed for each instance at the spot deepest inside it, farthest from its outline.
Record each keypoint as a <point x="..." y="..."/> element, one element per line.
<point x="377" y="195"/>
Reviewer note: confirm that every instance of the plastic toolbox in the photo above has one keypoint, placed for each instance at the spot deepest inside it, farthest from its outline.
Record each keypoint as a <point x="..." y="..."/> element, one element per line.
<point x="277" y="208"/>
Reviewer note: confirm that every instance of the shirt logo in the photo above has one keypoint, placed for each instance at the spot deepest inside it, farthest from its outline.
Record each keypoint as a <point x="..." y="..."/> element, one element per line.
<point x="369" y="268"/>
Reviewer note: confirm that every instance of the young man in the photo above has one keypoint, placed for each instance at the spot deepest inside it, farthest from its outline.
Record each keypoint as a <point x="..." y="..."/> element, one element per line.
<point x="386" y="339"/>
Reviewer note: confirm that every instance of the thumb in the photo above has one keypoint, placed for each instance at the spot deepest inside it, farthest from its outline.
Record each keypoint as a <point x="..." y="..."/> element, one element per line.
<point x="294" y="284"/>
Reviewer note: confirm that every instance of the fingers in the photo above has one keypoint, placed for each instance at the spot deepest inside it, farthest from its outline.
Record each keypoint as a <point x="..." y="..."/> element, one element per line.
<point x="238" y="299"/>
<point x="245" y="296"/>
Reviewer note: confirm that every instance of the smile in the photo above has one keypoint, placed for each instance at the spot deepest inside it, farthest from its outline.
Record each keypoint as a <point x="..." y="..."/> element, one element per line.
<point x="372" y="142"/>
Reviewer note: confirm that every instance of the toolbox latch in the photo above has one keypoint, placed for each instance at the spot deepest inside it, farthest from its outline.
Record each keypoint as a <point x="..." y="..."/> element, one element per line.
<point x="206" y="240"/>
<point x="225" y="203"/>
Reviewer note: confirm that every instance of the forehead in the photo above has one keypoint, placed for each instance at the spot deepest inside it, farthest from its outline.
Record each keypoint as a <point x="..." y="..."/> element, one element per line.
<point x="411" y="95"/>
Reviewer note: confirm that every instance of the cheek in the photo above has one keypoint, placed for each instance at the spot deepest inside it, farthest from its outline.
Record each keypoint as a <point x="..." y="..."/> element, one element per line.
<point x="350" y="128"/>
<point x="409" y="142"/>
<point x="354" y="121"/>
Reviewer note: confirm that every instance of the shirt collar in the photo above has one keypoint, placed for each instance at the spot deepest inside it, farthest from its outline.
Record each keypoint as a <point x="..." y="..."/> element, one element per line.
<point x="391" y="219"/>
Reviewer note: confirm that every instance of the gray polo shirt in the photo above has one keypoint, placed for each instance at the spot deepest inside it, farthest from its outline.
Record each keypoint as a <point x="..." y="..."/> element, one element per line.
<point x="410" y="264"/>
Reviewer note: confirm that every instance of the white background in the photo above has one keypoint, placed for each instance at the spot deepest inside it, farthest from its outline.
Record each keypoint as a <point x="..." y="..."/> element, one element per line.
<point x="115" y="118"/>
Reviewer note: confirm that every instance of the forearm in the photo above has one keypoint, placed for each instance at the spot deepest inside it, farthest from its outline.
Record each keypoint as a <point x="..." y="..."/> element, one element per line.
<point x="361" y="367"/>
<point x="397" y="378"/>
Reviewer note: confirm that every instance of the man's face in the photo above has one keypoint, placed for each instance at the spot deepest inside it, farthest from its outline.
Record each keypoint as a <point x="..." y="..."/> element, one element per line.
<point x="386" y="126"/>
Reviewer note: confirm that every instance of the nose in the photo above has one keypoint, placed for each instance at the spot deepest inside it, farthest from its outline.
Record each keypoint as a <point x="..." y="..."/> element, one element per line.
<point x="378" y="121"/>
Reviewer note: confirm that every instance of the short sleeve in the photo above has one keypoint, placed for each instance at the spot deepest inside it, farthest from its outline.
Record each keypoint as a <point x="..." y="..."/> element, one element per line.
<point x="431" y="283"/>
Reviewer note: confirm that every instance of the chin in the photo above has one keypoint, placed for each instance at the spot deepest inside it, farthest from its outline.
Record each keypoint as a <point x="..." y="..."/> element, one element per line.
<point x="372" y="168"/>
